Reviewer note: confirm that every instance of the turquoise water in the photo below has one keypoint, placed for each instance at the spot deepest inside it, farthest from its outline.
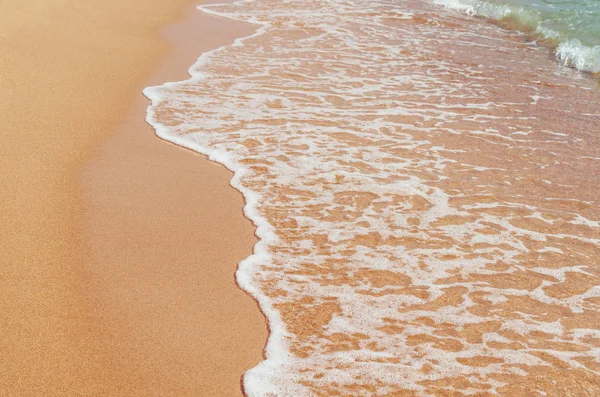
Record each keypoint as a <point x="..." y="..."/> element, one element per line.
<point x="573" y="24"/>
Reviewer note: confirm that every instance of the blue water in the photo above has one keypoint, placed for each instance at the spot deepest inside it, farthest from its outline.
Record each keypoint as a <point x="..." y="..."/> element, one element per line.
<point x="574" y="25"/>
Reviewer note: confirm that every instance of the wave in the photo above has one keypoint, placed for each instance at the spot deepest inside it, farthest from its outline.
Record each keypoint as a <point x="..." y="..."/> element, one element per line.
<point x="573" y="53"/>
<point x="569" y="51"/>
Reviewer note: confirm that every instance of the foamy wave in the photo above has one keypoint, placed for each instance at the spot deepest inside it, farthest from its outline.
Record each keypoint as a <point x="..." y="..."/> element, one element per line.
<point x="475" y="7"/>
<point x="573" y="53"/>
<point x="421" y="227"/>
<point x="570" y="53"/>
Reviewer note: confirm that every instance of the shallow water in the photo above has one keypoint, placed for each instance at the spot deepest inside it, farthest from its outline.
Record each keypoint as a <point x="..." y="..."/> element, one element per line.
<point x="426" y="190"/>
<point x="572" y="27"/>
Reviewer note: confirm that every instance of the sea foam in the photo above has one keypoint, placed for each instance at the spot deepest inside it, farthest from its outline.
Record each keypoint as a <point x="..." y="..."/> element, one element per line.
<point x="423" y="227"/>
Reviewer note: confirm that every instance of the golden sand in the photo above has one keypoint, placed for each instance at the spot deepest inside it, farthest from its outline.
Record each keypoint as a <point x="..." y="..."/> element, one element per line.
<point x="116" y="276"/>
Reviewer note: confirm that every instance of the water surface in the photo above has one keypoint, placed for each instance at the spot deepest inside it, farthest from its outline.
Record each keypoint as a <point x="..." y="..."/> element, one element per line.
<point x="426" y="190"/>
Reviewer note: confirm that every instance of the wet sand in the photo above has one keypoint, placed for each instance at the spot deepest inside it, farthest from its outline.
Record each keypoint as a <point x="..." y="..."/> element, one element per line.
<point x="117" y="277"/>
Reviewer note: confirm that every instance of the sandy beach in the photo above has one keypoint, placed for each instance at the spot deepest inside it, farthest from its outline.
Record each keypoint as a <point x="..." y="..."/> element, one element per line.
<point x="117" y="277"/>
<point x="424" y="185"/>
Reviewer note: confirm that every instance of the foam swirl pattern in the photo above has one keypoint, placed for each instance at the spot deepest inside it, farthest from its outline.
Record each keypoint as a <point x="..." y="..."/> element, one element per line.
<point x="426" y="189"/>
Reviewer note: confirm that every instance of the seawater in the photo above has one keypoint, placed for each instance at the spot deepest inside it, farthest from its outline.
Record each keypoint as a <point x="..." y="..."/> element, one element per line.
<point x="426" y="190"/>
<point x="572" y="27"/>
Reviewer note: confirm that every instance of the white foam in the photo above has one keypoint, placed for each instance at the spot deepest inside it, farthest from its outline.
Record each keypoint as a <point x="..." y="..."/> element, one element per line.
<point x="293" y="99"/>
<point x="573" y="53"/>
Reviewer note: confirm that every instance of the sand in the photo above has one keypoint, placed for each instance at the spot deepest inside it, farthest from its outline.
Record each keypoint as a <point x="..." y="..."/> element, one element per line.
<point x="117" y="250"/>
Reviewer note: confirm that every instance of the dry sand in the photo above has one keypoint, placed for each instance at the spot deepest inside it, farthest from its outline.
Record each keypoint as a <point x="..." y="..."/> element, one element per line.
<point x="117" y="250"/>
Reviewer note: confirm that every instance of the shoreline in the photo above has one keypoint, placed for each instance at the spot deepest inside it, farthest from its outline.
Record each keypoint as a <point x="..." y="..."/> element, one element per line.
<point x="66" y="97"/>
<point x="183" y="238"/>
